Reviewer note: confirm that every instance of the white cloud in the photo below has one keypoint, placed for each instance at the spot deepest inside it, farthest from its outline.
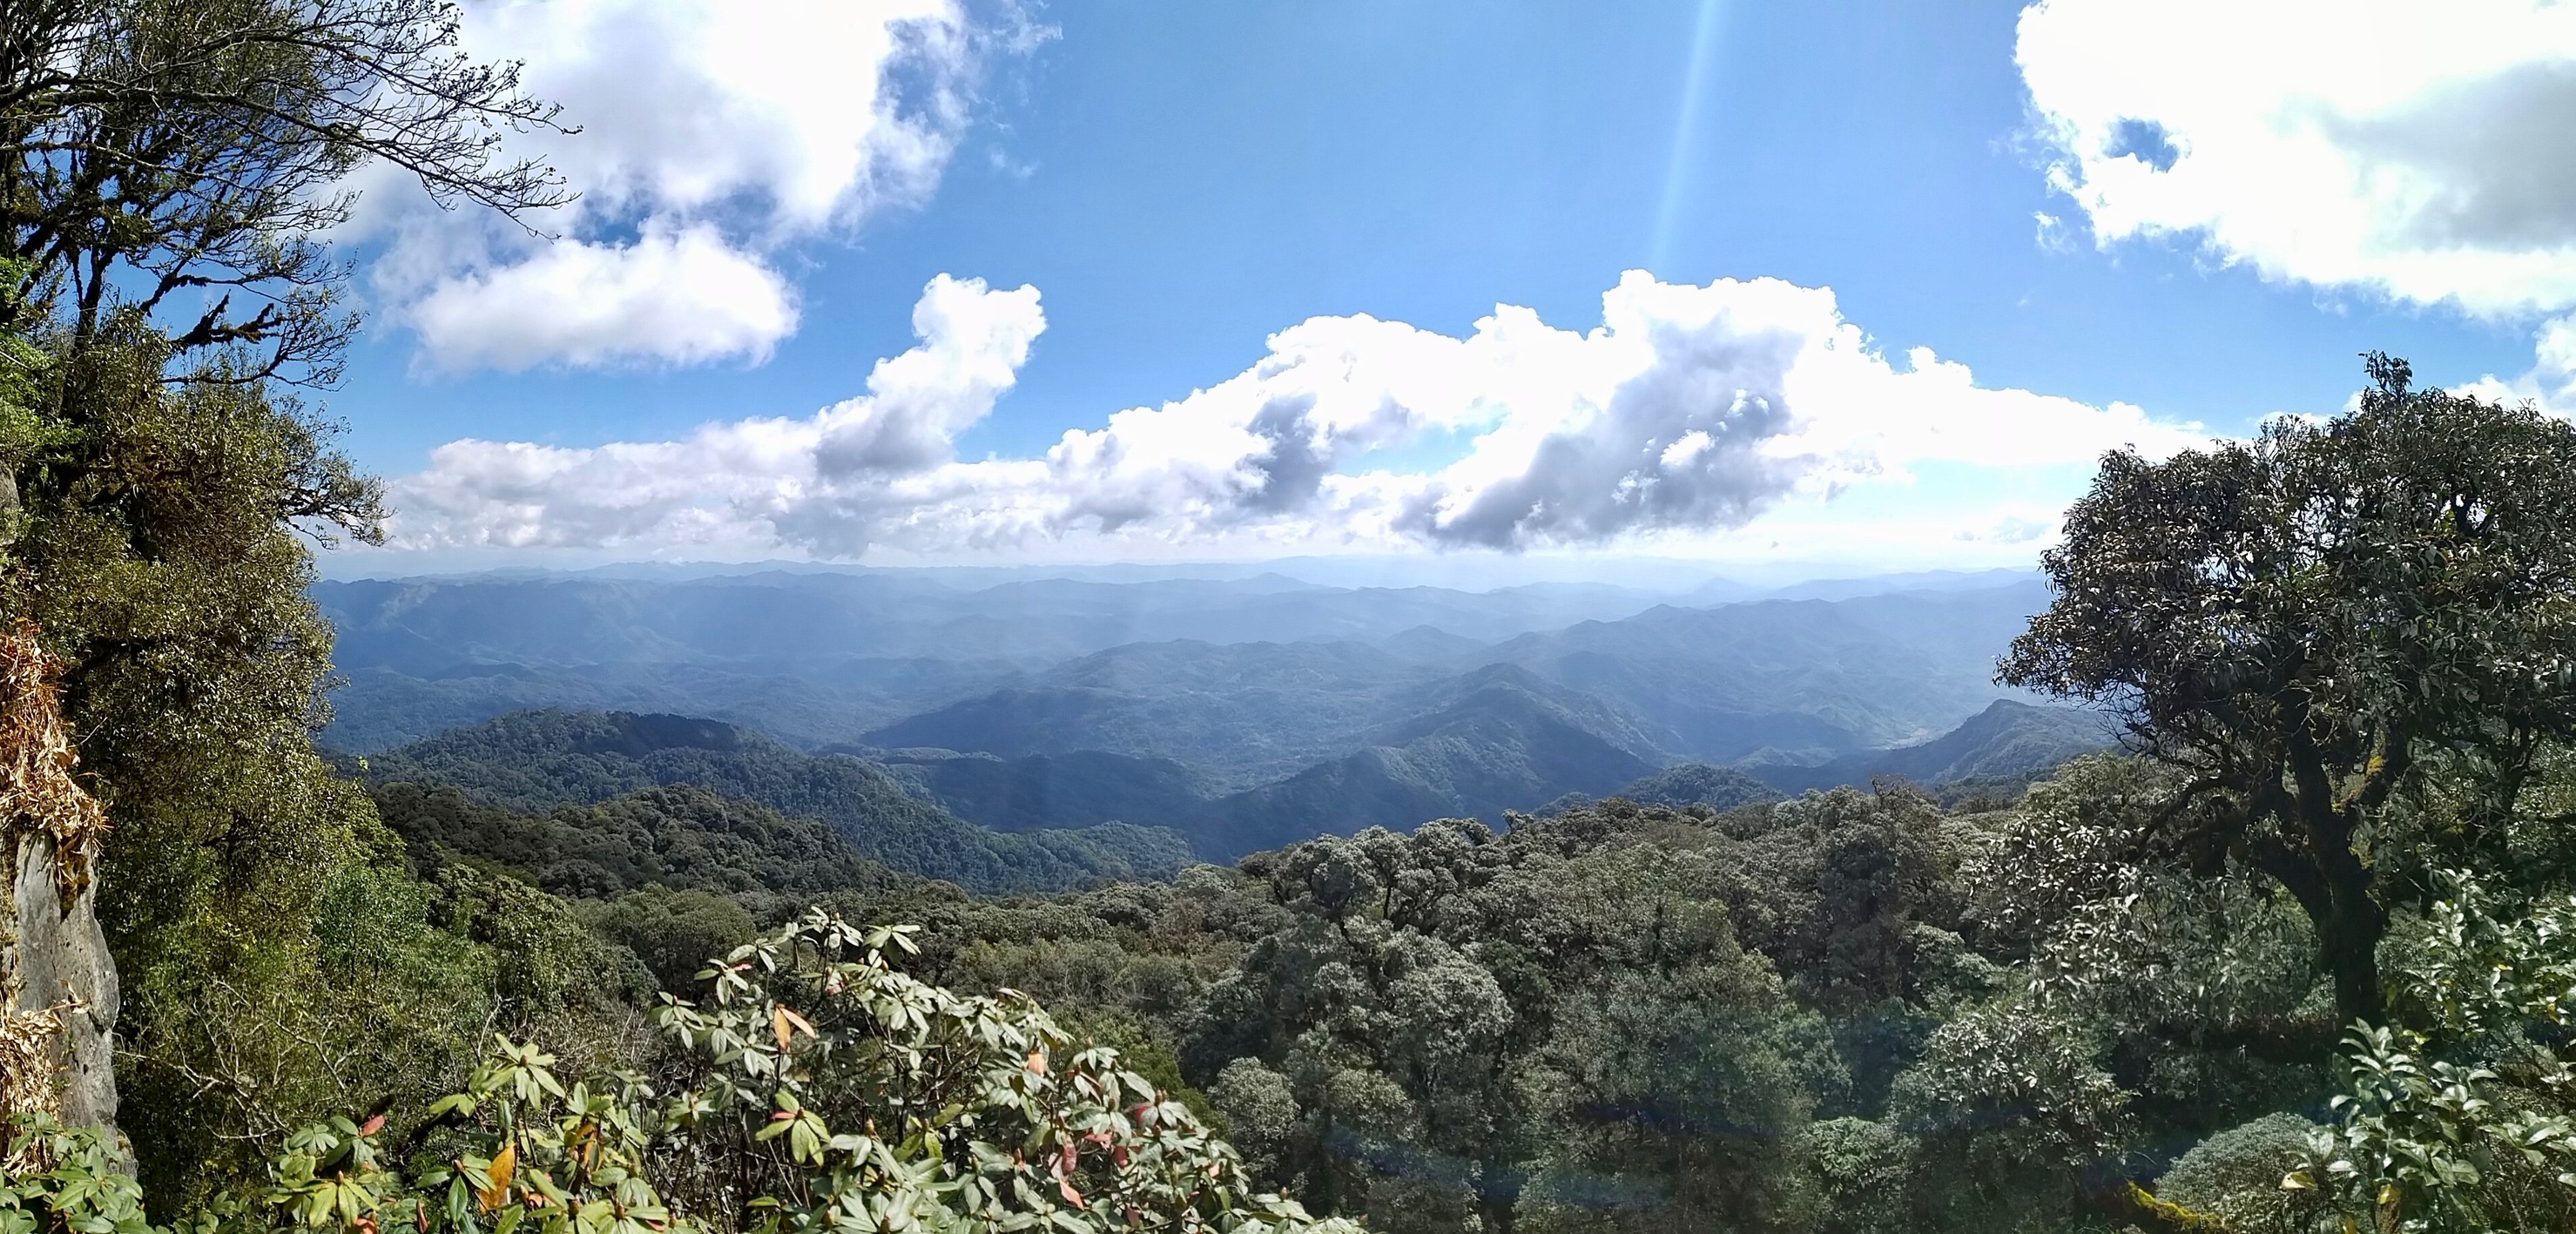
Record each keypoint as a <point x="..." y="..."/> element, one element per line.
<point x="2416" y="150"/>
<point x="680" y="298"/>
<point x="1690" y="410"/>
<point x="712" y="134"/>
<point x="2551" y="383"/>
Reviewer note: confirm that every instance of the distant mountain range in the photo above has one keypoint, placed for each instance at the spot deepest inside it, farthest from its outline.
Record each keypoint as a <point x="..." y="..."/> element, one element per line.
<point x="987" y="734"/>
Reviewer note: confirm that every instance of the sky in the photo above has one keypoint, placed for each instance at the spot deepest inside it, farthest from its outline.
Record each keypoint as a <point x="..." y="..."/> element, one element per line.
<point x="1860" y="283"/>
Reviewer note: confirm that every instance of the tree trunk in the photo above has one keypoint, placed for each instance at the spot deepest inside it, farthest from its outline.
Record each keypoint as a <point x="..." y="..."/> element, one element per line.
<point x="2348" y="943"/>
<point x="2333" y="884"/>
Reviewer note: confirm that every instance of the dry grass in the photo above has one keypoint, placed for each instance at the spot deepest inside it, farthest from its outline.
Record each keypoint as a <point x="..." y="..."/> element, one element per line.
<point x="37" y="790"/>
<point x="27" y="1064"/>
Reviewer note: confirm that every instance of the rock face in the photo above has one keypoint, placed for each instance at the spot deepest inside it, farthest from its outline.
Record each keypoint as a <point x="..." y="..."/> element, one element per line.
<point x="60" y="983"/>
<point x="58" y="994"/>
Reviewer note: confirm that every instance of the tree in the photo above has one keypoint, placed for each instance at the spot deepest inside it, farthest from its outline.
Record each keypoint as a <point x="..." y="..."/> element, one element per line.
<point x="167" y="171"/>
<point x="158" y="151"/>
<point x="2306" y="621"/>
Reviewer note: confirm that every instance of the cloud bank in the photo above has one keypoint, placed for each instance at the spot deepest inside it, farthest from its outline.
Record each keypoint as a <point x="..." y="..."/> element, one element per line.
<point x="714" y="135"/>
<point x="1690" y="409"/>
<point x="2414" y="151"/>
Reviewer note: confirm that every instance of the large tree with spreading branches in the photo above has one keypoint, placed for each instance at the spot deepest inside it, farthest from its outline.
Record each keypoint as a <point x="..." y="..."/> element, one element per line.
<point x="2306" y="621"/>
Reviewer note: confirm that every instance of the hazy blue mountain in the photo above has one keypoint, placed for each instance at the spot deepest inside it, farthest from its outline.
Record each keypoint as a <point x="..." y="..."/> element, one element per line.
<point x="2007" y="739"/>
<point x="536" y="761"/>
<point x="1503" y="745"/>
<point x="814" y="701"/>
<point x="1245" y="712"/>
<point x="1430" y="645"/>
<point x="1791" y="680"/>
<point x="1786" y="681"/>
<point x="1240" y="712"/>
<point x="1441" y="700"/>
<point x="420" y="626"/>
<point x="822" y="657"/>
<point x="1083" y="788"/>
<point x="1494" y="740"/>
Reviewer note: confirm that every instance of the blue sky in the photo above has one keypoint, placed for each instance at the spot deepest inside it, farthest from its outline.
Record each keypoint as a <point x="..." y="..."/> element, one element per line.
<point x="1181" y="182"/>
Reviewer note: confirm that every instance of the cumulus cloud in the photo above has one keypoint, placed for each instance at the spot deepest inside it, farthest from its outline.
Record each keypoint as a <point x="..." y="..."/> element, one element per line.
<point x="713" y="134"/>
<point x="1690" y="409"/>
<point x="2415" y="150"/>
<point x="684" y="297"/>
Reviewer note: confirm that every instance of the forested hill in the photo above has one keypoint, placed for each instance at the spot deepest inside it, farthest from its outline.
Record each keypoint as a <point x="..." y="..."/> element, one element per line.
<point x="533" y="762"/>
<point x="2007" y="739"/>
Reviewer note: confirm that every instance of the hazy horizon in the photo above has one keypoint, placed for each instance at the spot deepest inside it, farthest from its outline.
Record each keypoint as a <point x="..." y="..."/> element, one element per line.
<point x="1449" y="572"/>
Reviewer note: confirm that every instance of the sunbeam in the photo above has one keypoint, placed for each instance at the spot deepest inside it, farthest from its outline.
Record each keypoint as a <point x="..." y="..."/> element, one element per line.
<point x="1686" y="132"/>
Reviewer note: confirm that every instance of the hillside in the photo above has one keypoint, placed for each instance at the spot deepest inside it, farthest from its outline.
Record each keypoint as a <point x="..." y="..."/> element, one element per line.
<point x="1508" y="743"/>
<point x="681" y="837"/>
<point x="1791" y="680"/>
<point x="2007" y="739"/>
<point x="1249" y="679"/>
<point x="1244" y="713"/>
<point x="815" y="698"/>
<point x="1083" y="788"/>
<point x="1698" y="784"/>
<point x="1502" y="746"/>
<point x="535" y="761"/>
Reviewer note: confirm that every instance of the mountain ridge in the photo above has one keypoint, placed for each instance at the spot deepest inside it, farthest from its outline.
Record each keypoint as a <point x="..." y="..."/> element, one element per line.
<point x="536" y="761"/>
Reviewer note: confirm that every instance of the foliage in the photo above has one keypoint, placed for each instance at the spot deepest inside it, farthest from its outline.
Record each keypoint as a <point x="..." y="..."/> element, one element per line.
<point x="670" y="930"/>
<point x="166" y="168"/>
<point x="1457" y="1022"/>
<point x="156" y="557"/>
<point x="2297" y="620"/>
<point x="2235" y="1176"/>
<point x="54" y="1178"/>
<point x="682" y="837"/>
<point x="820" y="1088"/>
<point x="1698" y="784"/>
<point x="2467" y="1122"/>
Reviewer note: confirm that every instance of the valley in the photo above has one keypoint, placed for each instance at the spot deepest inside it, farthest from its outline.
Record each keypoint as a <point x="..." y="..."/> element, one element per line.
<point x="1047" y="732"/>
